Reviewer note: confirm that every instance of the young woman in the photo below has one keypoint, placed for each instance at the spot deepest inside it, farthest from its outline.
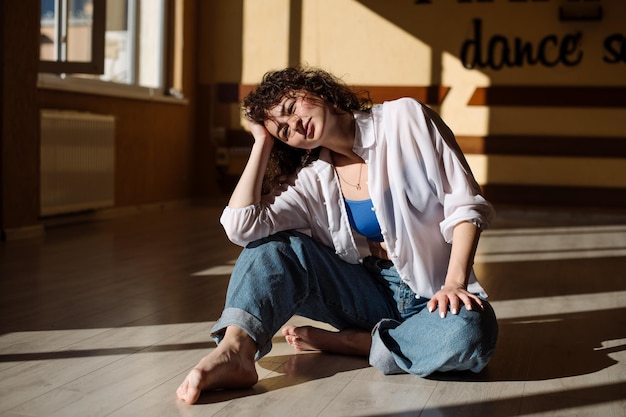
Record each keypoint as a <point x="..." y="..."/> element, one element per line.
<point x="363" y="217"/>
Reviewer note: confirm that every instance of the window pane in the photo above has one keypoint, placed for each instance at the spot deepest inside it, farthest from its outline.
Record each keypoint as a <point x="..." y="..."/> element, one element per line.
<point x="134" y="42"/>
<point x="48" y="37"/>
<point x="118" y="52"/>
<point x="79" y="30"/>
<point x="150" y="43"/>
<point x="72" y="36"/>
<point x="129" y="42"/>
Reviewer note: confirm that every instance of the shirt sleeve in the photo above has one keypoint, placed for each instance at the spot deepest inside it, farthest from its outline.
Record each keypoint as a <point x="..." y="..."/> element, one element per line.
<point x="275" y="213"/>
<point x="442" y="162"/>
<point x="460" y="194"/>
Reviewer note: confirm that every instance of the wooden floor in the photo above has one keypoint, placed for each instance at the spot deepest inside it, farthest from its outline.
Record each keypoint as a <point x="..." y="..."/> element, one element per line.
<point x="105" y="318"/>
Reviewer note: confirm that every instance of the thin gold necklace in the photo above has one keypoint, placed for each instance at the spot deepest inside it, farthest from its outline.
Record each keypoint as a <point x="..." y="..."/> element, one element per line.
<point x="358" y="183"/>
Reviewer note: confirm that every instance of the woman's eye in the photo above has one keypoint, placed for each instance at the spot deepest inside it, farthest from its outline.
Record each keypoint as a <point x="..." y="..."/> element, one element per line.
<point x="291" y="107"/>
<point x="286" y="132"/>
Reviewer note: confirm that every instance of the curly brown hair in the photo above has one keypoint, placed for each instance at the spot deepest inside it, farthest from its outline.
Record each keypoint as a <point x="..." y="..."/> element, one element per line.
<point x="276" y="85"/>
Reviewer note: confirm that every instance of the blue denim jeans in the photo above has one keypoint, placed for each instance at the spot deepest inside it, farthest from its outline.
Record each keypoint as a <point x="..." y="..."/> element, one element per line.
<point x="289" y="273"/>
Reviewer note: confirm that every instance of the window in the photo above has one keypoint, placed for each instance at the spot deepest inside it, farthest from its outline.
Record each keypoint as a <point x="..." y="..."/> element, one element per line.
<point x="72" y="36"/>
<point x="133" y="41"/>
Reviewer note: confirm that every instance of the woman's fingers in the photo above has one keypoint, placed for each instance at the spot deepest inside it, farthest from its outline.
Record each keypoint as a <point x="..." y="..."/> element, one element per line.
<point x="452" y="300"/>
<point x="258" y="130"/>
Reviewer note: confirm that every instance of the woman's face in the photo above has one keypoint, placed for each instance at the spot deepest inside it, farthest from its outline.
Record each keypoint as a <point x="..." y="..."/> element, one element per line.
<point x="301" y="120"/>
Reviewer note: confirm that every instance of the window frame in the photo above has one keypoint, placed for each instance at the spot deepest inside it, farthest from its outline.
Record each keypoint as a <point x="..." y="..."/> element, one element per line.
<point x="62" y="79"/>
<point x="98" y="29"/>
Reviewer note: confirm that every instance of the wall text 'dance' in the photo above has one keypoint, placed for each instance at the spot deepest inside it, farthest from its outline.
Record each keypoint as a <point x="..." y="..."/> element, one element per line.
<point x="498" y="51"/>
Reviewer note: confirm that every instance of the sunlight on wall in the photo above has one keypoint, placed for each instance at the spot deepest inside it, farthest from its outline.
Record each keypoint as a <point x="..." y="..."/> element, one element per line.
<point x="404" y="44"/>
<point x="607" y="172"/>
<point x="480" y="167"/>
<point x="334" y="42"/>
<point x="349" y="39"/>
<point x="265" y="38"/>
<point x="536" y="170"/>
<point x="463" y="119"/>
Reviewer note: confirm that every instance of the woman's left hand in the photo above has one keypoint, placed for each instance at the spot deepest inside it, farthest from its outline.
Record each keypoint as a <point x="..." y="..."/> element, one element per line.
<point x="453" y="297"/>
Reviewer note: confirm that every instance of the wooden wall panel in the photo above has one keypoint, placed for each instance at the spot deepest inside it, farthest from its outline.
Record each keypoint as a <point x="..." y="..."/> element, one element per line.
<point x="432" y="95"/>
<point x="538" y="195"/>
<point x="544" y="145"/>
<point x="518" y="145"/>
<point x="19" y="133"/>
<point x="549" y="96"/>
<point x="154" y="145"/>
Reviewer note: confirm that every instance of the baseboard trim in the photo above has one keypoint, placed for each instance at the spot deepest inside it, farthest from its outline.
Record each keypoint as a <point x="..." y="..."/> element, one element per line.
<point x="544" y="145"/>
<point x="539" y="195"/>
<point x="20" y="233"/>
<point x="111" y="213"/>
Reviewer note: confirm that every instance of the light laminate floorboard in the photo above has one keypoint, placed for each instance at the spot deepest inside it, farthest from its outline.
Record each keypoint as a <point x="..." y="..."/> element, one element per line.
<point x="105" y="318"/>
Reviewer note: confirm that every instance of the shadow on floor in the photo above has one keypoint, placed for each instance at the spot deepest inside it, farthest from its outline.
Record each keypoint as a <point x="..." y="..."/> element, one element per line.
<point x="532" y="404"/>
<point x="551" y="347"/>
<point x="87" y="353"/>
<point x="290" y="370"/>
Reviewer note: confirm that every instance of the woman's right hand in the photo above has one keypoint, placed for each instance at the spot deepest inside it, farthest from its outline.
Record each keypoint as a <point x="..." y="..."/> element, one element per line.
<point x="248" y="189"/>
<point x="260" y="133"/>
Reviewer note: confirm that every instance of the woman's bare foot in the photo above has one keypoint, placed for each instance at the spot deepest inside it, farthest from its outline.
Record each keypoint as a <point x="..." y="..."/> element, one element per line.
<point x="346" y="342"/>
<point x="230" y="365"/>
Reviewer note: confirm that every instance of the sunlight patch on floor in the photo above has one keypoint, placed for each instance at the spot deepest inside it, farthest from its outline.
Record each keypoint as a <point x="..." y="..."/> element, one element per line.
<point x="225" y="269"/>
<point x="552" y="243"/>
<point x="559" y="305"/>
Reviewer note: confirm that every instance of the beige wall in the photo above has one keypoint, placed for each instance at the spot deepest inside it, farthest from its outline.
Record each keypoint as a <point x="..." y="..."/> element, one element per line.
<point x="400" y="43"/>
<point x="169" y="151"/>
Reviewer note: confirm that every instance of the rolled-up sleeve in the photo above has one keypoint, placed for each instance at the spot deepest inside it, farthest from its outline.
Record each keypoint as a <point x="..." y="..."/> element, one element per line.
<point x="460" y="194"/>
<point x="244" y="225"/>
<point x="478" y="211"/>
<point x="273" y="214"/>
<point x="430" y="152"/>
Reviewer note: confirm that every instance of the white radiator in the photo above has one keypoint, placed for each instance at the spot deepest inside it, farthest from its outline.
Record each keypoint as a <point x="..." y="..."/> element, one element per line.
<point x="77" y="161"/>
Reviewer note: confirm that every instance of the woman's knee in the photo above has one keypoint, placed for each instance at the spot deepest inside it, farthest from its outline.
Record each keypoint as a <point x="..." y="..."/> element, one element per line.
<point x="277" y="248"/>
<point x="269" y="243"/>
<point x="476" y="332"/>
<point x="283" y="246"/>
<point x="468" y="333"/>
<point x="426" y="343"/>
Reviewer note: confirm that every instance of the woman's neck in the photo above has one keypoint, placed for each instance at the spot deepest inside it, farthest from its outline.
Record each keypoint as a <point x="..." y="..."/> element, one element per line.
<point x="343" y="143"/>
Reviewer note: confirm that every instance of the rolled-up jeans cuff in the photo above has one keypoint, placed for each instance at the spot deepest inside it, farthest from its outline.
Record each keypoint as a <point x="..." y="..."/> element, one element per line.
<point x="380" y="356"/>
<point x="248" y="323"/>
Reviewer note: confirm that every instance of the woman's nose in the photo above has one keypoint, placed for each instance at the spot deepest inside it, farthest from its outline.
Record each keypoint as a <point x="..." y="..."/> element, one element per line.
<point x="294" y="121"/>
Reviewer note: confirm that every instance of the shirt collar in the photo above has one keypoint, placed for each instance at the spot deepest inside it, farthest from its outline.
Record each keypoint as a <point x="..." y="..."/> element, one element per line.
<point x="364" y="135"/>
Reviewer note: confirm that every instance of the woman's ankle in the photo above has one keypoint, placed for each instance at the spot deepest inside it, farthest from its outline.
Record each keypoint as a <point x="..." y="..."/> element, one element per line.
<point x="239" y="340"/>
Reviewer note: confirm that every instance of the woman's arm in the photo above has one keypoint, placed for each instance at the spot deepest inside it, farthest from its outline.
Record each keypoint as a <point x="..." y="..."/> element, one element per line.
<point x="250" y="215"/>
<point x="248" y="189"/>
<point x="454" y="292"/>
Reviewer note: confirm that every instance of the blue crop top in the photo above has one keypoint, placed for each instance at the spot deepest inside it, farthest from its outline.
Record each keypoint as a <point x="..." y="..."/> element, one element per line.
<point x="363" y="220"/>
